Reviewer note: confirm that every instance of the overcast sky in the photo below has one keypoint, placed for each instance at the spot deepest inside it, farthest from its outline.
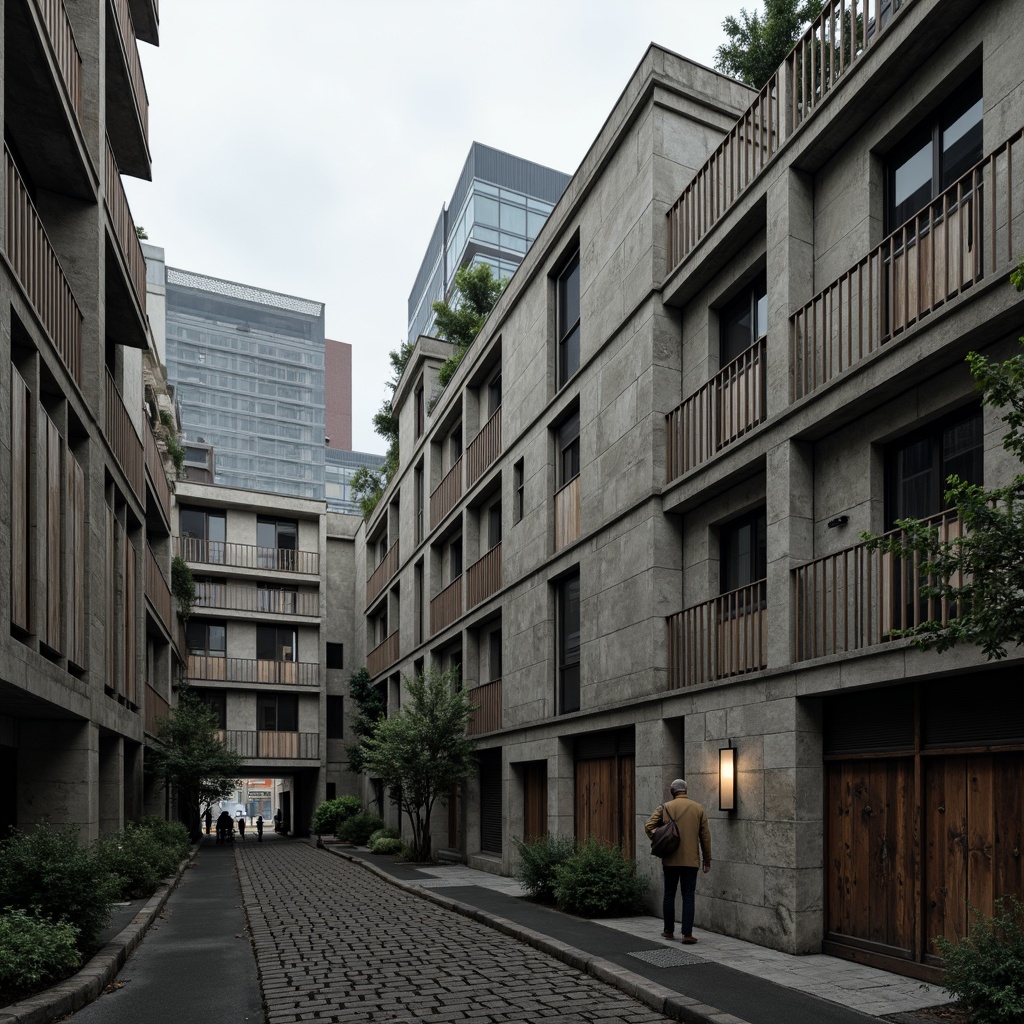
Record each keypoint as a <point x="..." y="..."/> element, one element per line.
<point x="307" y="146"/>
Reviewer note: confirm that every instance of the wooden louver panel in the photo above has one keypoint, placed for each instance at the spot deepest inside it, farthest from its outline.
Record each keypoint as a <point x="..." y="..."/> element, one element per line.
<point x="75" y="549"/>
<point x="20" y="589"/>
<point x="53" y="622"/>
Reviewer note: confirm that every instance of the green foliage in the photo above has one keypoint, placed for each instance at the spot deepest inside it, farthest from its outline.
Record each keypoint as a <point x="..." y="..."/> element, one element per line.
<point x="35" y="951"/>
<point x="386" y="845"/>
<point x="183" y="586"/>
<point x="371" y="706"/>
<point x="141" y="233"/>
<point x="476" y="292"/>
<point x="48" y="871"/>
<point x="422" y="751"/>
<point x="171" y="838"/>
<point x="539" y="859"/>
<point x="447" y="369"/>
<point x="759" y="43"/>
<point x="359" y="828"/>
<point x="384" y="833"/>
<point x="985" y="969"/>
<point x="177" y="454"/>
<point x="331" y="813"/>
<point x="598" y="881"/>
<point x="130" y="857"/>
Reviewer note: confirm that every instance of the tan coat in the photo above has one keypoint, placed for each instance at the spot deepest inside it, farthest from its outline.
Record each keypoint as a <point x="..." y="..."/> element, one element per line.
<point x="694" y="834"/>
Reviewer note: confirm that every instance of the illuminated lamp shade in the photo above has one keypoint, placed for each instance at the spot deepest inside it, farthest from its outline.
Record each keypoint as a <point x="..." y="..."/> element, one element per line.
<point x="727" y="778"/>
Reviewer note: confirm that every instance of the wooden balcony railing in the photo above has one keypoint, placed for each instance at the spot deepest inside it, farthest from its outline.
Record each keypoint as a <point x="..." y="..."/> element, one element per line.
<point x="483" y="577"/>
<point x="157" y="709"/>
<point x="830" y="47"/>
<point x="446" y="607"/>
<point x="248" y="556"/>
<point x="383" y="656"/>
<point x="256" y="599"/>
<point x="487" y="717"/>
<point x="446" y="494"/>
<point x="253" y="670"/>
<point x="382" y="574"/>
<point x="62" y="39"/>
<point x="124" y="229"/>
<point x="40" y="273"/>
<point x="726" y="636"/>
<point x="484" y="448"/>
<point x="963" y="236"/>
<point x="130" y="47"/>
<point x="567" y="513"/>
<point x="854" y="598"/>
<point x="717" y="413"/>
<point x="157" y="473"/>
<point x="124" y="442"/>
<point x="158" y="592"/>
<point x="296" y="746"/>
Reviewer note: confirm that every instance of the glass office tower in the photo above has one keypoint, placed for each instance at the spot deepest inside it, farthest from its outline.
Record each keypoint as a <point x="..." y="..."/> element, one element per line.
<point x="496" y="211"/>
<point x="247" y="367"/>
<point x="339" y="468"/>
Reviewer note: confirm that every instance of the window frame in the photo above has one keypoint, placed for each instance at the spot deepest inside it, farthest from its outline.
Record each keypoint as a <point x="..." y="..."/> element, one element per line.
<point x="567" y="327"/>
<point x="728" y="535"/>
<point x="567" y="653"/>
<point x="567" y="445"/>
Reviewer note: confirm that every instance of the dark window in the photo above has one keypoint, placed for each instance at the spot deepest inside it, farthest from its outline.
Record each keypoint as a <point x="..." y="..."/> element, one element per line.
<point x="335" y="718"/>
<point x="569" y="449"/>
<point x="568" y="320"/>
<point x="217" y="702"/>
<point x="494" y="525"/>
<point x="744" y="551"/>
<point x="520" y="492"/>
<point x="332" y="790"/>
<point x="455" y="445"/>
<point x="417" y="668"/>
<point x="276" y="643"/>
<point x="277" y="540"/>
<point x="420" y="411"/>
<point x="455" y="559"/>
<point x="335" y="655"/>
<point x="206" y="637"/>
<point x="419" y="502"/>
<point x="277" y="713"/>
<point x="494" y="395"/>
<point x="271" y="597"/>
<point x="455" y="664"/>
<point x="743" y="321"/>
<point x="569" y="645"/>
<point x="494" y="654"/>
<point x="418" y="598"/>
<point x="204" y="532"/>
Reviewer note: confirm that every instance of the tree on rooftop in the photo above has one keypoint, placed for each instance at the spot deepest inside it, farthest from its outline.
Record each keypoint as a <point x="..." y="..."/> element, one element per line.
<point x="459" y="321"/>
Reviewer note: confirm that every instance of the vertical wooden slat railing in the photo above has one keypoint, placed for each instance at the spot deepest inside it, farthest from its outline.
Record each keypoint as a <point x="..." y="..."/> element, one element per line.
<point x="157" y="590"/>
<point x="383" y="656"/>
<point x="129" y="623"/>
<point x="253" y="670"/>
<point x="717" y="413"/>
<point x="124" y="442"/>
<point x="567" y="514"/>
<point x="248" y="743"/>
<point x="484" y="448"/>
<point x="130" y="46"/>
<point x="248" y="556"/>
<point x="256" y="599"/>
<point x="62" y="39"/>
<point x="124" y="228"/>
<point x="156" y="710"/>
<point x="385" y="570"/>
<point x="40" y="273"/>
<point x="157" y="473"/>
<point x="446" y="607"/>
<point x="487" y="716"/>
<point x="21" y="584"/>
<point x="854" y="598"/>
<point x="965" y="235"/>
<point x="444" y="497"/>
<point x="483" y="577"/>
<point x="726" y="636"/>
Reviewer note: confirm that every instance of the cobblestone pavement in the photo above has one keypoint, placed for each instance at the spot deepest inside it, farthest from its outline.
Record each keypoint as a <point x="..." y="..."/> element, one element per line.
<point x="334" y="942"/>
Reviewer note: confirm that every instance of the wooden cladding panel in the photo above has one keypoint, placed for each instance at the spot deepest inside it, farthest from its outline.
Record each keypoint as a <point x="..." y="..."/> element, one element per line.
<point x="157" y="590"/>
<point x="75" y="560"/>
<point x="124" y="442"/>
<point x="447" y="493"/>
<point x="382" y="574"/>
<point x="567" y="514"/>
<point x="52" y="623"/>
<point x="110" y="564"/>
<point x="487" y="717"/>
<point x="605" y="800"/>
<point x="156" y="710"/>
<point x="257" y="599"/>
<point x="253" y="670"/>
<point x="20" y="490"/>
<point x="129" y="650"/>
<point x="535" y="800"/>
<point x="483" y="577"/>
<point x="383" y="656"/>
<point x="484" y="448"/>
<point x="447" y="606"/>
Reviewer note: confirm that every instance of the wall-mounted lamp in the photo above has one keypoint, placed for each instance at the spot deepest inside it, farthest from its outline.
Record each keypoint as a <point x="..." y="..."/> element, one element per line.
<point x="727" y="778"/>
<point x="838" y="521"/>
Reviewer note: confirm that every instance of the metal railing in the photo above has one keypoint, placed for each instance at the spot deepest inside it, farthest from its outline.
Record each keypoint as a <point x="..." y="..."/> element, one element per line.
<point x="158" y="591"/>
<point x="62" y="39"/>
<point x="483" y="577"/>
<point x="382" y="574"/>
<point x="383" y="656"/>
<point x="130" y="47"/>
<point x="253" y="670"/>
<point x="157" y="473"/>
<point x="256" y="599"/>
<point x="487" y="716"/>
<point x="124" y="442"/>
<point x="854" y="598"/>
<point x="717" y="413"/>
<point x="156" y="710"/>
<point x="726" y="636"/>
<point x="248" y="556"/>
<point x="124" y="229"/>
<point x="447" y="606"/>
<point x="484" y="448"/>
<point x="567" y="513"/>
<point x="298" y="746"/>
<point x="446" y="494"/>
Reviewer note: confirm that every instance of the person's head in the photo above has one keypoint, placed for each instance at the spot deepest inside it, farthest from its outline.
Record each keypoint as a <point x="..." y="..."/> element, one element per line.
<point x="678" y="787"/>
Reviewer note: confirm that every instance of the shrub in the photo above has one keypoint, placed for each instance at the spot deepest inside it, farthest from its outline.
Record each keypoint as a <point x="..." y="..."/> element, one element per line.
<point x="172" y="842"/>
<point x="129" y="856"/>
<point x="538" y="860"/>
<point x="359" y="828"/>
<point x="985" y="969"/>
<point x="383" y="833"/>
<point x="49" y="871"/>
<point x="598" y="881"/>
<point x="386" y="844"/>
<point x="331" y="813"/>
<point x="35" y="951"/>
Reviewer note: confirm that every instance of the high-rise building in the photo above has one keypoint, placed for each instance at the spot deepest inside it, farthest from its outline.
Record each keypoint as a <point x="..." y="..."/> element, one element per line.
<point x="338" y="396"/>
<point x="499" y="205"/>
<point x="247" y="366"/>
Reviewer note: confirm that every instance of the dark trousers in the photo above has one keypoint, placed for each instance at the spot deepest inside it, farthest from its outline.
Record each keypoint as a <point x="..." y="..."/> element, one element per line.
<point x="686" y="879"/>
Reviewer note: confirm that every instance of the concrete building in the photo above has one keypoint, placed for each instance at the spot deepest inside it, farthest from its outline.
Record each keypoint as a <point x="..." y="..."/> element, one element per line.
<point x="633" y="515"/>
<point x="339" y="468"/>
<point x="90" y="649"/>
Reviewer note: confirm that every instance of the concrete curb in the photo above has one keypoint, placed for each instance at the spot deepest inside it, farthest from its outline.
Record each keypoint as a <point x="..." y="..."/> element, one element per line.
<point x="663" y="1000"/>
<point x="82" y="988"/>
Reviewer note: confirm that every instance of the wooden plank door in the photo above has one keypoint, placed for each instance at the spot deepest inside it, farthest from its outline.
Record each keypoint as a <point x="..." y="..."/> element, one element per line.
<point x="535" y="800"/>
<point x="605" y="800"/>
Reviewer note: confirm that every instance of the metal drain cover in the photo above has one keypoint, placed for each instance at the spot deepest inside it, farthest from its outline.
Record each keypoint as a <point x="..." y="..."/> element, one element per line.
<point x="668" y="957"/>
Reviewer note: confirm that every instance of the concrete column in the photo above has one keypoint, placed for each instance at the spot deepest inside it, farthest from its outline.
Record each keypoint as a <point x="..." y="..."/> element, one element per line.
<point x="111" y="784"/>
<point x="562" y="791"/>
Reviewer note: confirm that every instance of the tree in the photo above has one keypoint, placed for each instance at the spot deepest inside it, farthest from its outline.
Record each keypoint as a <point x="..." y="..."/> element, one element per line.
<point x="758" y="44"/>
<point x="979" y="574"/>
<point x="372" y="705"/>
<point x="193" y="758"/>
<point x="422" y="751"/>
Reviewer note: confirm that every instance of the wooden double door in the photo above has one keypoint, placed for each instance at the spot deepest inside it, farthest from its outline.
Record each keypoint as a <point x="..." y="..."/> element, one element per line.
<point x="606" y="790"/>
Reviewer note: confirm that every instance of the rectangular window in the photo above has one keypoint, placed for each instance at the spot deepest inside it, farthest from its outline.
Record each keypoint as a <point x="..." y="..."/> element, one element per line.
<point x="519" y="489"/>
<point x="278" y="541"/>
<point x="419" y="502"/>
<point x="203" y="532"/>
<point x="567" y="319"/>
<point x="217" y="702"/>
<point x="494" y="525"/>
<point x="276" y="643"/>
<point x="277" y="713"/>
<point x="420" y="411"/>
<point x="206" y="638"/>
<point x="494" y="395"/>
<point x="744" y="551"/>
<point x="418" y="598"/>
<point x="455" y="445"/>
<point x="455" y="559"/>
<point x="569" y="449"/>
<point x="335" y="655"/>
<point x="271" y="597"/>
<point x="569" y="645"/>
<point x="743" y="321"/>
<point x="494" y="655"/>
<point x="335" y="718"/>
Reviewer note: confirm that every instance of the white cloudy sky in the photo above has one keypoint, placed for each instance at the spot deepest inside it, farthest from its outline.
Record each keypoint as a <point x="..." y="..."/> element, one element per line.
<point x="307" y="146"/>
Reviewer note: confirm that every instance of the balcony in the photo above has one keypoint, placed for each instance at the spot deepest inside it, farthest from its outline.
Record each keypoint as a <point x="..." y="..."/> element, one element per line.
<point x="158" y="592"/>
<point x="383" y="573"/>
<point x="40" y="274"/>
<point x="129" y="246"/>
<point x="124" y="442"/>
<point x="157" y="709"/>
<point x="567" y="514"/>
<point x="446" y="607"/>
<point x="156" y="474"/>
<point x="827" y="52"/>
<point x="248" y="556"/>
<point x="484" y="448"/>
<point x="854" y="598"/>
<point x="717" y="414"/>
<point x="383" y="656"/>
<point x="146" y="18"/>
<point x="483" y="577"/>
<point x="208" y="668"/>
<point x="65" y="49"/>
<point x="253" y="599"/>
<point x="487" y="717"/>
<point x="962" y="237"/>
<point x="127" y="99"/>
<point x="250" y="744"/>
<point x="444" y="497"/>
<point x="726" y="636"/>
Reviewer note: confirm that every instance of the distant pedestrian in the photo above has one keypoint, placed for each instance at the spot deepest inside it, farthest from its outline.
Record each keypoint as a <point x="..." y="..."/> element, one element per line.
<point x="209" y="820"/>
<point x="277" y="820"/>
<point x="259" y="829"/>
<point x="681" y="866"/>
<point x="224" y="827"/>
<point x="241" y="828"/>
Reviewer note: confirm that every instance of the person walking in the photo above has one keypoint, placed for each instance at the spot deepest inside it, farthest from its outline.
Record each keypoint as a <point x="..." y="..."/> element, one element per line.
<point x="259" y="829"/>
<point x="209" y="820"/>
<point x="224" y="827"/>
<point x="681" y="866"/>
<point x="241" y="828"/>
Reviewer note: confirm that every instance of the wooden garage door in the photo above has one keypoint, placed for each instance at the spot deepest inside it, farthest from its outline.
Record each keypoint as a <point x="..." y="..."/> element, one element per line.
<point x="605" y="802"/>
